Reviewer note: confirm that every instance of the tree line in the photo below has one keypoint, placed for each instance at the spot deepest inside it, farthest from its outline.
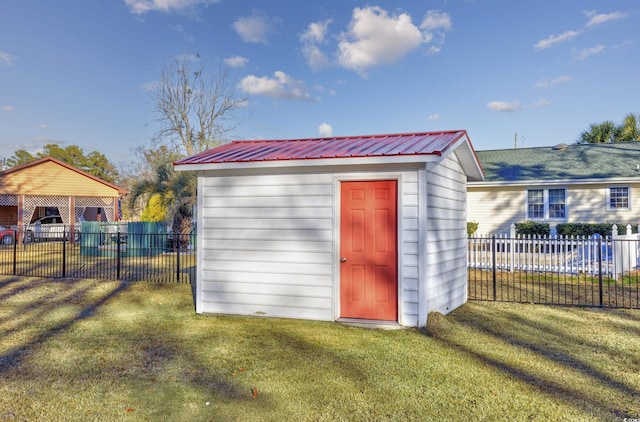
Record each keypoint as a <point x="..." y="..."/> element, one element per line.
<point x="93" y="163"/>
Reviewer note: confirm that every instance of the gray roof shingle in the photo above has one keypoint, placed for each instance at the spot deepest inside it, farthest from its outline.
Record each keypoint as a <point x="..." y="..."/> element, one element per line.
<point x="585" y="161"/>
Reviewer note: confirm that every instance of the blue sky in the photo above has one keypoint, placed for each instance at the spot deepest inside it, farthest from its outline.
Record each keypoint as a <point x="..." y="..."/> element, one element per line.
<point x="77" y="72"/>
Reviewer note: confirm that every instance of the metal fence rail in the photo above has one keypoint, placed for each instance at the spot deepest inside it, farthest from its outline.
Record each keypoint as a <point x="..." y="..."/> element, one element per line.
<point x="116" y="256"/>
<point x="581" y="271"/>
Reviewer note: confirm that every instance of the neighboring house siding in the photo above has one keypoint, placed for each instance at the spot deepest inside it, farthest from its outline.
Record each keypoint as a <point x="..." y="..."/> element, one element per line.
<point x="495" y="208"/>
<point x="267" y="245"/>
<point x="446" y="278"/>
<point x="588" y="204"/>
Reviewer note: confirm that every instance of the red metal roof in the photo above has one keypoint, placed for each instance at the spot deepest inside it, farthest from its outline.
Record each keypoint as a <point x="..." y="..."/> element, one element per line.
<point x="425" y="143"/>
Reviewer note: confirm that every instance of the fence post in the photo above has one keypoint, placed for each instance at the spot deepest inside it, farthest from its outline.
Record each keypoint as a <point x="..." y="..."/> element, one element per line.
<point x="118" y="254"/>
<point x="64" y="255"/>
<point x="15" y="252"/>
<point x="178" y="259"/>
<point x="600" y="267"/>
<point x="493" y="264"/>
<point x="512" y="242"/>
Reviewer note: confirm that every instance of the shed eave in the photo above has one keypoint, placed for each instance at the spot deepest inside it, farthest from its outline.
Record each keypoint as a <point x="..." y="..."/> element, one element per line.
<point x="353" y="161"/>
<point x="467" y="157"/>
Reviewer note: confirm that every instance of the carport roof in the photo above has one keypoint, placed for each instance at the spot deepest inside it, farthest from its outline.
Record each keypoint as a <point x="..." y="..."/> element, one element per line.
<point x="345" y="147"/>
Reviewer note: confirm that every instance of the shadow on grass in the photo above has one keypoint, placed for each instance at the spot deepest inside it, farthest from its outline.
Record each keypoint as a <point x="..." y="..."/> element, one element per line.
<point x="36" y="311"/>
<point x="524" y="336"/>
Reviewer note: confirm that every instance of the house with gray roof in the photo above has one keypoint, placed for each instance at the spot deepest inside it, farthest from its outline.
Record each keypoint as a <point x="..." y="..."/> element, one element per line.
<point x="587" y="183"/>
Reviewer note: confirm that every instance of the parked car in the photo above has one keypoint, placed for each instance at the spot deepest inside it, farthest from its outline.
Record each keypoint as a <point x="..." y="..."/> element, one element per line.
<point x="7" y="236"/>
<point x="50" y="227"/>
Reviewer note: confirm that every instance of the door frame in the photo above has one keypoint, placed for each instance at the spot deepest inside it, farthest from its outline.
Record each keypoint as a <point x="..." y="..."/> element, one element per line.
<point x="337" y="207"/>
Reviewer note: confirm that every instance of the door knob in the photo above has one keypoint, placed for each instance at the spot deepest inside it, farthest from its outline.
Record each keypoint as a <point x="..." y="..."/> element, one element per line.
<point x="343" y="259"/>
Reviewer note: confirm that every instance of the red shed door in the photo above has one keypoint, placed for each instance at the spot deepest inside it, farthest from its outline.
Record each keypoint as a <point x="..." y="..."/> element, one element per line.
<point x="368" y="250"/>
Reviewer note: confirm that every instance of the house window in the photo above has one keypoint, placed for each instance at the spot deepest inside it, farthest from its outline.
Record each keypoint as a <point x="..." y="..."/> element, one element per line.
<point x="618" y="198"/>
<point x="547" y="204"/>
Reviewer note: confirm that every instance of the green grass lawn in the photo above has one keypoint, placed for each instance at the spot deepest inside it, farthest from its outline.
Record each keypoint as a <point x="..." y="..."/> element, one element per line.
<point x="96" y="350"/>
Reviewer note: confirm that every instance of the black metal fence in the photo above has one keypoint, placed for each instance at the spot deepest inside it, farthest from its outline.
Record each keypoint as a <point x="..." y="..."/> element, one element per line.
<point x="151" y="257"/>
<point x="579" y="271"/>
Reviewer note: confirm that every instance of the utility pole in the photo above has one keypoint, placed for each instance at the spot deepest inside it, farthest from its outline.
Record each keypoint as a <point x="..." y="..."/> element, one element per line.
<point x="515" y="141"/>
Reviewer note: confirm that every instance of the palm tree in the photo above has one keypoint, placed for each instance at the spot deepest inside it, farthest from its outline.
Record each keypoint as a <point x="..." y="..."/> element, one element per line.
<point x="628" y="131"/>
<point x="599" y="133"/>
<point x="168" y="196"/>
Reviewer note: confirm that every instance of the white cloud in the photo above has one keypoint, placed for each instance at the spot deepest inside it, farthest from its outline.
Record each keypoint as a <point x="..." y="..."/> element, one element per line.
<point x="6" y="59"/>
<point x="314" y="35"/>
<point x="434" y="116"/>
<point x="254" y="28"/>
<point x="374" y="37"/>
<point x="624" y="44"/>
<point x="316" y="59"/>
<point x="42" y="126"/>
<point x="436" y="21"/>
<point x="555" y="81"/>
<point x="236" y="61"/>
<point x="281" y="86"/>
<point x="554" y="39"/>
<point x="541" y="103"/>
<point x="8" y="109"/>
<point x="504" y="106"/>
<point x="140" y="7"/>
<point x="316" y="32"/>
<point x="325" y="130"/>
<point x="597" y="19"/>
<point x="587" y="52"/>
<point x="434" y="26"/>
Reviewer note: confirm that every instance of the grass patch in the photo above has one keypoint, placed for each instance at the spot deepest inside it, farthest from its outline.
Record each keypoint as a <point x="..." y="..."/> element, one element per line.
<point x="96" y="350"/>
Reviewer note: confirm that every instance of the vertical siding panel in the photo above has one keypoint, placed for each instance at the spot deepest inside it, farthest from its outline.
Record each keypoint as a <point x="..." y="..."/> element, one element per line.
<point x="409" y="261"/>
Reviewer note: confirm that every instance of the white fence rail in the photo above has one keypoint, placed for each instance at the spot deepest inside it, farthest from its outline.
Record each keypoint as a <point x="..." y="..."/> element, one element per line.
<point x="613" y="256"/>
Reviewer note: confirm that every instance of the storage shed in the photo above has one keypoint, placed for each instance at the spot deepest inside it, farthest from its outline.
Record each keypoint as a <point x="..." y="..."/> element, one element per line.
<point x="361" y="228"/>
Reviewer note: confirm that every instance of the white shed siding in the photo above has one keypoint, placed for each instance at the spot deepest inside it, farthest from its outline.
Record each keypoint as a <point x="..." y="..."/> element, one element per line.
<point x="446" y="276"/>
<point x="408" y="212"/>
<point x="267" y="244"/>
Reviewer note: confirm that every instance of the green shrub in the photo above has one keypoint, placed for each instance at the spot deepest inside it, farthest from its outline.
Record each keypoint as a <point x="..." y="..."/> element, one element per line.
<point x="533" y="228"/>
<point x="589" y="229"/>
<point x="472" y="228"/>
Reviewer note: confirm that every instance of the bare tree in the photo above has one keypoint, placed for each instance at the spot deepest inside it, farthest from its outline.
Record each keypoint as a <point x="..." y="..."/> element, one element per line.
<point x="194" y="105"/>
